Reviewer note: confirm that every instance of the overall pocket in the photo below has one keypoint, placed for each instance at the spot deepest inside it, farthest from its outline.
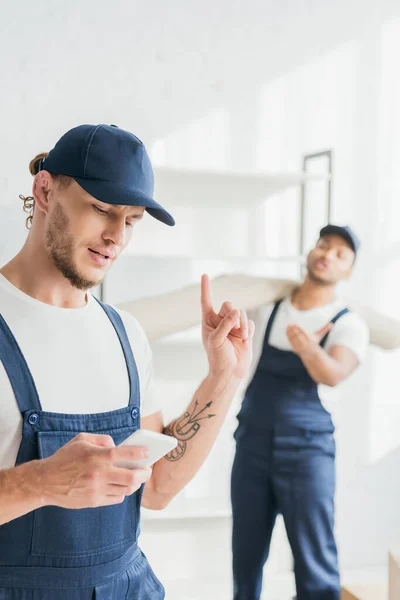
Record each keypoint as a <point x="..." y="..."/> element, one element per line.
<point x="61" y="532"/>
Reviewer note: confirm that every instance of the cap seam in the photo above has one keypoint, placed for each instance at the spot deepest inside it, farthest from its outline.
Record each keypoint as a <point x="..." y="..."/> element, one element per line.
<point x="88" y="148"/>
<point x="76" y="177"/>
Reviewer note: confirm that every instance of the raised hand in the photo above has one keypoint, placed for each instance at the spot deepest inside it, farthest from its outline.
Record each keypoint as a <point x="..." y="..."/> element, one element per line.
<point x="227" y="336"/>
<point x="303" y="342"/>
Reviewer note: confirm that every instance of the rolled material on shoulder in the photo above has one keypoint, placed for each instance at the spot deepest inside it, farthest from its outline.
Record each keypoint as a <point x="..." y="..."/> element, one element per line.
<point x="176" y="311"/>
<point x="384" y="331"/>
<point x="180" y="309"/>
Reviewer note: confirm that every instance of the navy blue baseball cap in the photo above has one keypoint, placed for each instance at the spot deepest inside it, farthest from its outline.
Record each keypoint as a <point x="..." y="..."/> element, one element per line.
<point x="344" y="232"/>
<point x="111" y="164"/>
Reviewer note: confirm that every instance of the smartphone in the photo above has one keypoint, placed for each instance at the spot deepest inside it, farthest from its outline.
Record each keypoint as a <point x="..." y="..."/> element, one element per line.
<point x="157" y="444"/>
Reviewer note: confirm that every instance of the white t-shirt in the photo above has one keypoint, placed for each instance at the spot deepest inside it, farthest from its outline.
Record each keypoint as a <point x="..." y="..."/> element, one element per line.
<point x="349" y="331"/>
<point x="75" y="358"/>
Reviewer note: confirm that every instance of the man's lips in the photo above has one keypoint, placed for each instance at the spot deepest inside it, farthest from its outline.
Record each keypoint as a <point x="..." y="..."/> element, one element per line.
<point x="102" y="252"/>
<point x="321" y="265"/>
<point x="102" y="257"/>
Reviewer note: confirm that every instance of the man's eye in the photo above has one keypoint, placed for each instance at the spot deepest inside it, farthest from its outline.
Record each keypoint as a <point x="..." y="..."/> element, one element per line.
<point x="100" y="211"/>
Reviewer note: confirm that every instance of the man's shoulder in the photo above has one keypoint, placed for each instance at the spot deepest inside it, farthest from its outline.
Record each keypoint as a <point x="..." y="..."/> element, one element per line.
<point x="137" y="339"/>
<point x="351" y="329"/>
<point x="131" y="324"/>
<point x="350" y="318"/>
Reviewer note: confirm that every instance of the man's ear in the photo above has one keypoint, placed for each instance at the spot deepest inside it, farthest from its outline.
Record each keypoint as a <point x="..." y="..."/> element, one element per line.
<point x="40" y="190"/>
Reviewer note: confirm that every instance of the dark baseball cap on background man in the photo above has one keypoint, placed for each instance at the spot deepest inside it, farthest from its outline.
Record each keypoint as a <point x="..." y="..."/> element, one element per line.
<point x="344" y="232"/>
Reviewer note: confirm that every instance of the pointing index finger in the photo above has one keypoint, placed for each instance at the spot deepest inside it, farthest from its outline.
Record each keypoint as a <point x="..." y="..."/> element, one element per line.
<point x="206" y="302"/>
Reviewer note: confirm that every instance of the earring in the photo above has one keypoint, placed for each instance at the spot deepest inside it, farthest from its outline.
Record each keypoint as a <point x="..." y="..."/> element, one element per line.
<point x="29" y="204"/>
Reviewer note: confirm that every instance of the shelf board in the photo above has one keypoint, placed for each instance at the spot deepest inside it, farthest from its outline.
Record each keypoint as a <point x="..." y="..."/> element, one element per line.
<point x="166" y="515"/>
<point x="130" y="251"/>
<point x="189" y="187"/>
<point x="193" y="507"/>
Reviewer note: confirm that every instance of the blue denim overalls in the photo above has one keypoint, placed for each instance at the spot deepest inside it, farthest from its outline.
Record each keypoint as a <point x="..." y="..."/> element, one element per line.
<point x="61" y="554"/>
<point x="284" y="463"/>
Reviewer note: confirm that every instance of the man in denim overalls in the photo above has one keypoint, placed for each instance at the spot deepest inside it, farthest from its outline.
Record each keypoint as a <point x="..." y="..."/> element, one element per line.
<point x="285" y="453"/>
<point x="75" y="381"/>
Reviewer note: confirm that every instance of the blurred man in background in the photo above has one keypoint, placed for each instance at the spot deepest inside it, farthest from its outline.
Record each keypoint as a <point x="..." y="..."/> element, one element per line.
<point x="305" y="345"/>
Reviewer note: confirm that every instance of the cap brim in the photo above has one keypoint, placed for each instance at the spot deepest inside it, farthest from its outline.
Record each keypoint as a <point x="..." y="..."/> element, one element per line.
<point x="118" y="195"/>
<point x="336" y="230"/>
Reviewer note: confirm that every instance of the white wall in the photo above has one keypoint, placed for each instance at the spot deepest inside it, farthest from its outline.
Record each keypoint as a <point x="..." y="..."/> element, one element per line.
<point x="239" y="85"/>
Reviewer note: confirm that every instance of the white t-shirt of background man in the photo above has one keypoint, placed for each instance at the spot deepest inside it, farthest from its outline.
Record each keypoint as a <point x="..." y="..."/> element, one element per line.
<point x="349" y="331"/>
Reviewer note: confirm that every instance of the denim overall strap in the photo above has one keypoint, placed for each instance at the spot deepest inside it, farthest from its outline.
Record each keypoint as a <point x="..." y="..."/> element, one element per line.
<point x="17" y="370"/>
<point x="271" y="320"/>
<point x="134" y="396"/>
<point x="336" y="318"/>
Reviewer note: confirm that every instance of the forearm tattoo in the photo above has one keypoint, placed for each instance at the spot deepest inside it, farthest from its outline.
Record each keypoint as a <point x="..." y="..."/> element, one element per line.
<point x="185" y="428"/>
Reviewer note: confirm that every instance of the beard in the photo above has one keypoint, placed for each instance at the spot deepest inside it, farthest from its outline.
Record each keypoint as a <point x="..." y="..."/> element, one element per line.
<point x="60" y="245"/>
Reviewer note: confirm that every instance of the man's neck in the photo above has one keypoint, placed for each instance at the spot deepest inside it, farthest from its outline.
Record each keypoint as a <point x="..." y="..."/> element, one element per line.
<point x="35" y="275"/>
<point x="312" y="294"/>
